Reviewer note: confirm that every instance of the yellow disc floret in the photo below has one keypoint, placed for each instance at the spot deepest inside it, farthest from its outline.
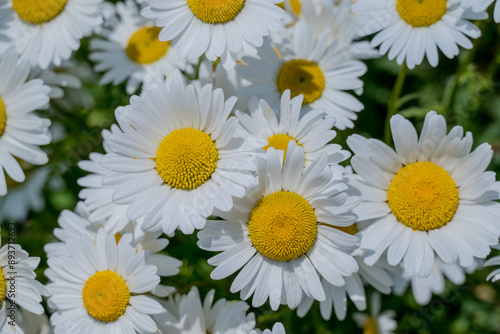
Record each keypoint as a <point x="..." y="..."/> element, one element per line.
<point x="3" y="288"/>
<point x="421" y="13"/>
<point x="216" y="11"/>
<point x="38" y="11"/>
<point x="423" y="196"/>
<point x="279" y="142"/>
<point x="301" y="77"/>
<point x="370" y="326"/>
<point x="144" y="47"/>
<point x="186" y="158"/>
<point x="282" y="226"/>
<point x="3" y="117"/>
<point x="105" y="296"/>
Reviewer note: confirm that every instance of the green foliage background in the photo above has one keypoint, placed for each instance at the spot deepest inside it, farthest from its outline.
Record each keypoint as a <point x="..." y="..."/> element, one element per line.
<point x="466" y="90"/>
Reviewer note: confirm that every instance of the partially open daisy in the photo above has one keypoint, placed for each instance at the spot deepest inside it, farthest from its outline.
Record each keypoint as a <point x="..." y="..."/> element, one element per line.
<point x="312" y="133"/>
<point x="378" y="276"/>
<point x="376" y="322"/>
<point x="187" y="314"/>
<point x="18" y="284"/>
<point x="216" y="28"/>
<point x="321" y="73"/>
<point x="99" y="287"/>
<point x="430" y="197"/>
<point x="47" y="32"/>
<point x="177" y="158"/>
<point x="21" y="131"/>
<point x="482" y="5"/>
<point x="282" y="234"/>
<point x="412" y="29"/>
<point x="75" y="224"/>
<point x="131" y="49"/>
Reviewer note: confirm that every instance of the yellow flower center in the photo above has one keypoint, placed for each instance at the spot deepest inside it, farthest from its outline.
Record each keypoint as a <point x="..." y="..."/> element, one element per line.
<point x="295" y="5"/>
<point x="282" y="226"/>
<point x="38" y="11"/>
<point x="423" y="196"/>
<point x="3" y="288"/>
<point x="186" y="158"/>
<point x="301" y="77"/>
<point x="216" y="11"/>
<point x="3" y="117"/>
<point x="144" y="47"/>
<point x="421" y="13"/>
<point x="105" y="296"/>
<point x="279" y="142"/>
<point x="370" y="326"/>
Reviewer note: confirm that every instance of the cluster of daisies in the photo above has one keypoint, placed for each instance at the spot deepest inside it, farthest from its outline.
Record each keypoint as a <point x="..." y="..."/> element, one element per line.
<point x="231" y="136"/>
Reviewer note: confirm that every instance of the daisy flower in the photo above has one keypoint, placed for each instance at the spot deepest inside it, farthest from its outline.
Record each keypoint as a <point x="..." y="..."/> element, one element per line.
<point x="312" y="132"/>
<point x="99" y="287"/>
<point x="131" y="49"/>
<point x="377" y="276"/>
<point x="220" y="28"/>
<point x="310" y="67"/>
<point x="187" y="314"/>
<point x="21" y="131"/>
<point x="482" y="5"/>
<point x="18" y="284"/>
<point x="177" y="159"/>
<point x="282" y="234"/>
<point x="431" y="197"/>
<point x="277" y="329"/>
<point x="494" y="261"/>
<point x="412" y="29"/>
<point x="24" y="197"/>
<point x="376" y="322"/>
<point x="47" y="32"/>
<point x="74" y="224"/>
<point x="99" y="199"/>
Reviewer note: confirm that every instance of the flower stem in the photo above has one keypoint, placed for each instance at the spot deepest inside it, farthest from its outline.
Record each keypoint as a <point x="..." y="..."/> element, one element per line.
<point x="392" y="106"/>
